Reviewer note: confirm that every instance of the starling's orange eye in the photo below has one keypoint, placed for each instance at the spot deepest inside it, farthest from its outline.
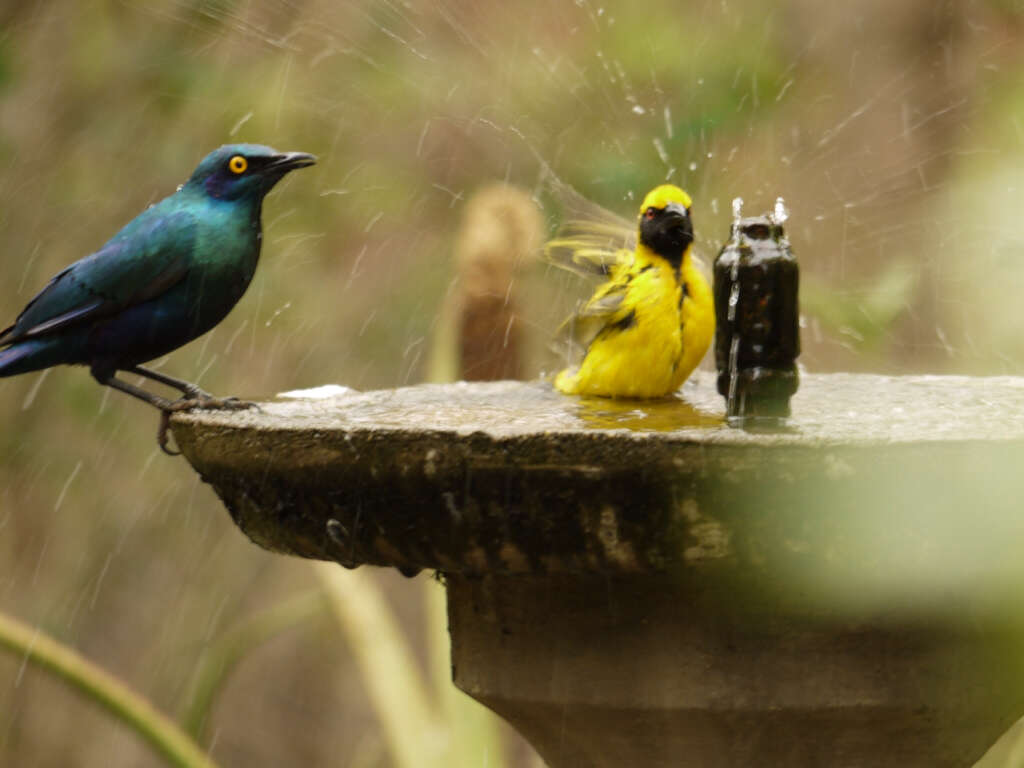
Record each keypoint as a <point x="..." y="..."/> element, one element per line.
<point x="650" y="212"/>
<point x="238" y="164"/>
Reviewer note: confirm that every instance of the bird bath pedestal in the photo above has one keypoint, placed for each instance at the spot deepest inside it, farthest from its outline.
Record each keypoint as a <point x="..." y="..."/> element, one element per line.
<point x="636" y="584"/>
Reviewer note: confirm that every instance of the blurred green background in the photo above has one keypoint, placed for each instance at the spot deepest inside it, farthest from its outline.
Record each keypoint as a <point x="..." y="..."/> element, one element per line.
<point x="893" y="130"/>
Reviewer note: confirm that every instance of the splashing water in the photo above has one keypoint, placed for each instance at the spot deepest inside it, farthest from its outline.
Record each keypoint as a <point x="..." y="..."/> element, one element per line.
<point x="734" y="300"/>
<point x="781" y="213"/>
<point x="737" y="210"/>
<point x="731" y="408"/>
<point x="734" y="295"/>
<point x="277" y="312"/>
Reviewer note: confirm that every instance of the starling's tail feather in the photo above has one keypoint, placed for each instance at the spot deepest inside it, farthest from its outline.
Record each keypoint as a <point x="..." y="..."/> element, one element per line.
<point x="31" y="355"/>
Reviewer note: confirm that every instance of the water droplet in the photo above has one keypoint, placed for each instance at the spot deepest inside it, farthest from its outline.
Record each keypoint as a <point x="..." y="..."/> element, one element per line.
<point x="287" y="305"/>
<point x="638" y="110"/>
<point x="660" y="148"/>
<point x="336" y="531"/>
<point x="780" y="214"/>
<point x="693" y="166"/>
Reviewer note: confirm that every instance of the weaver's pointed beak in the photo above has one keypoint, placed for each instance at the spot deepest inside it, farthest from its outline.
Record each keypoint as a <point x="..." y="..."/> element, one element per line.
<point x="675" y="210"/>
<point x="677" y="220"/>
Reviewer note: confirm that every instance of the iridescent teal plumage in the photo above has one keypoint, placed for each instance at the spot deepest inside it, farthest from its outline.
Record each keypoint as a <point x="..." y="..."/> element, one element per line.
<point x="168" y="277"/>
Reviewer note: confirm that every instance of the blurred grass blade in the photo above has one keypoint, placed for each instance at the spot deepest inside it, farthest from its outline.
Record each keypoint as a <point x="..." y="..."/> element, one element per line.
<point x="415" y="736"/>
<point x="1008" y="752"/>
<point x="476" y="739"/>
<point x="232" y="646"/>
<point x="104" y="689"/>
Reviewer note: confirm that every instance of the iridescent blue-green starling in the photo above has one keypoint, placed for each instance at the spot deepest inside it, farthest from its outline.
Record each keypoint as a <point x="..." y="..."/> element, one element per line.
<point x="168" y="277"/>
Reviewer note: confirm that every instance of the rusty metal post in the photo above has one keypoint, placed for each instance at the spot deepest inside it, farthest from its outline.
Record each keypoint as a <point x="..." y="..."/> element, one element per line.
<point x="757" y="341"/>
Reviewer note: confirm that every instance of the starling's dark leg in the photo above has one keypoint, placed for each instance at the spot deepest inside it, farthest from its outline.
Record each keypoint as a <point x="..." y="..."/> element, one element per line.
<point x="186" y="388"/>
<point x="108" y="379"/>
<point x="202" y="398"/>
<point x="195" y="398"/>
<point x="166" y="406"/>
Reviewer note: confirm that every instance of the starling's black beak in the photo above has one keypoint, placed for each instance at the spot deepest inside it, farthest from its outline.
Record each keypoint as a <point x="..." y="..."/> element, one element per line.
<point x="288" y="161"/>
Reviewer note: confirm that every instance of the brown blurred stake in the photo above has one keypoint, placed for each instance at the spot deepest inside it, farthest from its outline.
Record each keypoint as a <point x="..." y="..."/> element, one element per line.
<point x="502" y="227"/>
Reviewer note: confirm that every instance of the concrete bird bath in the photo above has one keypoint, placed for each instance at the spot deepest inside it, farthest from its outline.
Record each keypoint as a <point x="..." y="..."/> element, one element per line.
<point x="639" y="585"/>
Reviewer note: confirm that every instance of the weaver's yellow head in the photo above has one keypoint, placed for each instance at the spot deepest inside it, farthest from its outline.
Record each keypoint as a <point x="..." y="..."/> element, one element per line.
<point x="661" y="196"/>
<point x="665" y="226"/>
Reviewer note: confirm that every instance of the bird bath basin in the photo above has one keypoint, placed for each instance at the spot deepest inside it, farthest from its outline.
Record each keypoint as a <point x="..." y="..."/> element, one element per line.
<point x="636" y="584"/>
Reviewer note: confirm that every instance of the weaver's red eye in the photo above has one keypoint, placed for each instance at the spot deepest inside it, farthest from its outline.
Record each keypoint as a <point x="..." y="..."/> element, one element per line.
<point x="650" y="213"/>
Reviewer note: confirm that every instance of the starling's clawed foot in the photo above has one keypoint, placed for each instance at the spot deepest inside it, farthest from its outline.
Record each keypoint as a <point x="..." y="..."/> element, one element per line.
<point x="230" y="404"/>
<point x="210" y="403"/>
<point x="161" y="434"/>
<point x="192" y="392"/>
<point x="203" y="402"/>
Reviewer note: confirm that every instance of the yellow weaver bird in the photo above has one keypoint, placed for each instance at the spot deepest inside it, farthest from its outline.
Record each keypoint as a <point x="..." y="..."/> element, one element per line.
<point x="645" y="329"/>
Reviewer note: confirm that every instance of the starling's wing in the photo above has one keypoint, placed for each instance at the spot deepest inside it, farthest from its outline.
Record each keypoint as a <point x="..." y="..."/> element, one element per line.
<point x="606" y="308"/>
<point x="141" y="262"/>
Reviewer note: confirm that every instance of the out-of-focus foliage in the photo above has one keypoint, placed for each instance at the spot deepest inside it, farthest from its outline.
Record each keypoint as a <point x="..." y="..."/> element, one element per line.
<point x="892" y="130"/>
<point x="164" y="736"/>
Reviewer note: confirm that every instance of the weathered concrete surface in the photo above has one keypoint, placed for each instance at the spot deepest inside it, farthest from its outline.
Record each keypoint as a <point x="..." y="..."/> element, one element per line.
<point x="645" y="671"/>
<point x="908" y="484"/>
<point x="638" y="584"/>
